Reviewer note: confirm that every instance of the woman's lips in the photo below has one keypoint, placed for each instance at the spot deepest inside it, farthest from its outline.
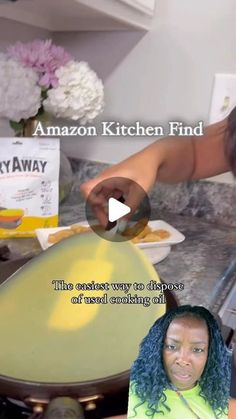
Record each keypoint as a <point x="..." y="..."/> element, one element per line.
<point x="182" y="376"/>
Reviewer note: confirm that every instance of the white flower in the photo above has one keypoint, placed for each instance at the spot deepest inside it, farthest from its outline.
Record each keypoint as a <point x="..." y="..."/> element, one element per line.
<point x="19" y="93"/>
<point x="79" y="94"/>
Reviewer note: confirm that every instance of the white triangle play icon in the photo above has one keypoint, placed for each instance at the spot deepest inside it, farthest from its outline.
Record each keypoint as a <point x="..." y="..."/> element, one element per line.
<point x="116" y="209"/>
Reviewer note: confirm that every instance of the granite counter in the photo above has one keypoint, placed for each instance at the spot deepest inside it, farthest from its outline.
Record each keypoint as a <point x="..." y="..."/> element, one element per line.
<point x="202" y="211"/>
<point x="198" y="262"/>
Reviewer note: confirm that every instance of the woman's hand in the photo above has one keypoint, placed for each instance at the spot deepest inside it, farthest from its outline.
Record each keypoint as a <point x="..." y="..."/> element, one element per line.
<point x="122" y="179"/>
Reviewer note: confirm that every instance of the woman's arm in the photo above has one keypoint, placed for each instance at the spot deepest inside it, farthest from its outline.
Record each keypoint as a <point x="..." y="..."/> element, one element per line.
<point x="169" y="160"/>
<point x="186" y="158"/>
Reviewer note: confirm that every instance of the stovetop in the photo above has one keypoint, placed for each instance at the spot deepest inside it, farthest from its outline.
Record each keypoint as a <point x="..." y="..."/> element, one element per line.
<point x="9" y="410"/>
<point x="112" y="405"/>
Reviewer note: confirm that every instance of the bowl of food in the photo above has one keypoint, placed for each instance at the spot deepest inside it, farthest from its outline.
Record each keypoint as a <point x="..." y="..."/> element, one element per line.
<point x="156" y="233"/>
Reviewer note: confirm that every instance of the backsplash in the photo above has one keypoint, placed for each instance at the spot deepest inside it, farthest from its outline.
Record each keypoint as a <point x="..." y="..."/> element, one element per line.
<point x="215" y="202"/>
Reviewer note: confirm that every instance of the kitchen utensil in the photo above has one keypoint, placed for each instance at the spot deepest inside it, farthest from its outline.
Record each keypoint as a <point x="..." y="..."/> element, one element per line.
<point x="222" y="283"/>
<point x="4" y="253"/>
<point x="114" y="227"/>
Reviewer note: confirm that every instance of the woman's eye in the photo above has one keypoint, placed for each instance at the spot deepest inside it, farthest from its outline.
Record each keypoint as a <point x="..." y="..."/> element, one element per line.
<point x="198" y="350"/>
<point x="170" y="347"/>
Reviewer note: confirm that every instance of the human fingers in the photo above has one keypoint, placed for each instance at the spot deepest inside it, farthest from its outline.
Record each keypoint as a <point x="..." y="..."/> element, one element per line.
<point x="101" y="215"/>
<point x="134" y="197"/>
<point x="100" y="209"/>
<point x="98" y="193"/>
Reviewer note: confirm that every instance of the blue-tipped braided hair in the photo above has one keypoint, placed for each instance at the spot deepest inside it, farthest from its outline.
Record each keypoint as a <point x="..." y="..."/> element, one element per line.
<point x="148" y="376"/>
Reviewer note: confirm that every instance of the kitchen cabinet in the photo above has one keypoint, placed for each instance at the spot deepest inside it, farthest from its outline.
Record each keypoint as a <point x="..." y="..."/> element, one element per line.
<point x="80" y="15"/>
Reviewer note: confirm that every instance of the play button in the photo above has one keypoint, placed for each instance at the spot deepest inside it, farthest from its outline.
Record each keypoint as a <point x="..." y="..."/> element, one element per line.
<point x="116" y="209"/>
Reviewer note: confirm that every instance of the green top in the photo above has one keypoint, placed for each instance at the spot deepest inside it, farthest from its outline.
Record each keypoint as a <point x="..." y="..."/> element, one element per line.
<point x="178" y="408"/>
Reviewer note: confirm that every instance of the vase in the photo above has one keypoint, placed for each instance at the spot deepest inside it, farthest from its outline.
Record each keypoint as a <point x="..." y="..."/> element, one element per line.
<point x="65" y="174"/>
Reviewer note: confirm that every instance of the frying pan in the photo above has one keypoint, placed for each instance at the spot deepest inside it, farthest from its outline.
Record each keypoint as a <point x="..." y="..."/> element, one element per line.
<point x="63" y="395"/>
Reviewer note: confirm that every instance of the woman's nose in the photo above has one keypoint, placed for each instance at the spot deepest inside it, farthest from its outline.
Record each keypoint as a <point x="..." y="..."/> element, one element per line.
<point x="183" y="358"/>
<point x="182" y="362"/>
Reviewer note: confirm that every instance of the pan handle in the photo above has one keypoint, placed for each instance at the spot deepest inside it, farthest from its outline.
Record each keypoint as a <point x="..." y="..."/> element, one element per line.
<point x="64" y="407"/>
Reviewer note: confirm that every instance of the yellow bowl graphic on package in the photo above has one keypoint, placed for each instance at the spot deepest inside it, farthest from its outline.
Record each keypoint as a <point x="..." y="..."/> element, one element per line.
<point x="8" y="215"/>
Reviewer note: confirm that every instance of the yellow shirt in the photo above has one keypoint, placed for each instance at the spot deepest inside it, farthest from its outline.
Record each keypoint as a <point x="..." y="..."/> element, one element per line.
<point x="178" y="409"/>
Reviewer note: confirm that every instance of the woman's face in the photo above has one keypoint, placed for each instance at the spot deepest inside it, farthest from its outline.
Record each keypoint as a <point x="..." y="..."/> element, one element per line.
<point x="185" y="351"/>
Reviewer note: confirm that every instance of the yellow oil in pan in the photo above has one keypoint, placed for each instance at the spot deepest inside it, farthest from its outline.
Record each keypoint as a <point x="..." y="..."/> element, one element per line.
<point x="47" y="338"/>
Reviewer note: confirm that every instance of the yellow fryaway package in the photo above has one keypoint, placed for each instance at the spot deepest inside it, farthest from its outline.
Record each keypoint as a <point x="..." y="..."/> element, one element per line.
<point x="29" y="172"/>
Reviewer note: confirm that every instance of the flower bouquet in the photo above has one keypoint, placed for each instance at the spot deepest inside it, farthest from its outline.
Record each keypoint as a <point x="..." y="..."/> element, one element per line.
<point x="39" y="79"/>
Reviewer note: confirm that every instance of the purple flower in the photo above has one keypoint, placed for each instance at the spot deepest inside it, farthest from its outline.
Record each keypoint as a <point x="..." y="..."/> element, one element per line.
<point x="43" y="57"/>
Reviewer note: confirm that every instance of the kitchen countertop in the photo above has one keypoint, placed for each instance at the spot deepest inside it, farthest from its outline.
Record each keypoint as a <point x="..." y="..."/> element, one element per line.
<point x="198" y="262"/>
<point x="203" y="211"/>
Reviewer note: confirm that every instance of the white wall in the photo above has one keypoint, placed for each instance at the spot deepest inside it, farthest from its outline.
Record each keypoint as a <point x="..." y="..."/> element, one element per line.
<point x="143" y="5"/>
<point x="157" y="76"/>
<point x="10" y="32"/>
